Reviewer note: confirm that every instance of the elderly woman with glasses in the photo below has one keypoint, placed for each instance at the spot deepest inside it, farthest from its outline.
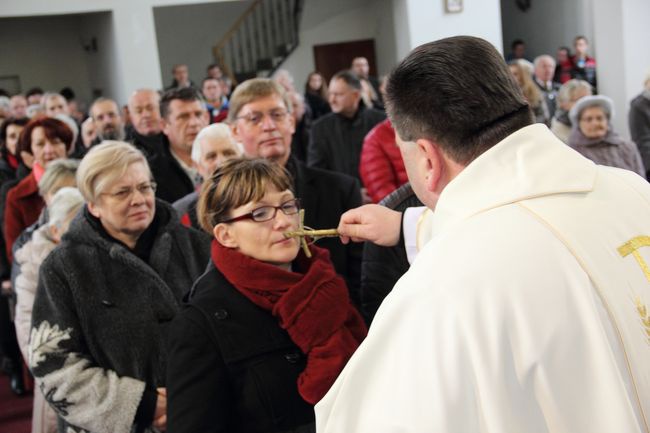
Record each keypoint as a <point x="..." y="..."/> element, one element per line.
<point x="106" y="296"/>
<point x="266" y="330"/>
<point x="594" y="137"/>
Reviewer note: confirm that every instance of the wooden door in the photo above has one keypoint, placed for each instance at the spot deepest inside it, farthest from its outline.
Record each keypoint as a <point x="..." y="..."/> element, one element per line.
<point x="331" y="58"/>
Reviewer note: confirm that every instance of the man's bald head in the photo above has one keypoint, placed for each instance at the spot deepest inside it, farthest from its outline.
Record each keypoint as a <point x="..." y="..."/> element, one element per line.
<point x="144" y="111"/>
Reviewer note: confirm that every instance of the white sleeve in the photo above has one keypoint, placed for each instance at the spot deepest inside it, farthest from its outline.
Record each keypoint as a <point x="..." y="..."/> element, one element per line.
<point x="410" y="221"/>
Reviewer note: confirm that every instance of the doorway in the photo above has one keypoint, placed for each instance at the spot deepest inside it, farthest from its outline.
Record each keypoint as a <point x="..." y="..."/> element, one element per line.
<point x="331" y="58"/>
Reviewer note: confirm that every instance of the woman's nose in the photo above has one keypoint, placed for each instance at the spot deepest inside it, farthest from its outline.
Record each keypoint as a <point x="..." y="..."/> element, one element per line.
<point x="283" y="220"/>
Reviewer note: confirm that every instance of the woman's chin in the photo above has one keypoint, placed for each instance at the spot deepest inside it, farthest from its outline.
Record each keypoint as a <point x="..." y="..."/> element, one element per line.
<point x="285" y="258"/>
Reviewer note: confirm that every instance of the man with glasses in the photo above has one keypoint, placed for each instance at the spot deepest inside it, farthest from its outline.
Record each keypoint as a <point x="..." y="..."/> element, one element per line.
<point x="260" y="118"/>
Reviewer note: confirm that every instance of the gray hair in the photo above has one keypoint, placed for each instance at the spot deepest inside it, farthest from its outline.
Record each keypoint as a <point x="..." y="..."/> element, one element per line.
<point x="154" y="92"/>
<point x="285" y="79"/>
<point x="216" y="131"/>
<point x="48" y="95"/>
<point x="56" y="172"/>
<point x="69" y="121"/>
<point x="568" y="89"/>
<point x="539" y="59"/>
<point x="99" y="101"/>
<point x="65" y="203"/>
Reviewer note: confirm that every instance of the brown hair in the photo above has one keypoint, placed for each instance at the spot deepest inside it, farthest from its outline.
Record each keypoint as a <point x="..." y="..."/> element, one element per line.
<point x="252" y="90"/>
<point x="237" y="182"/>
<point x="322" y="91"/>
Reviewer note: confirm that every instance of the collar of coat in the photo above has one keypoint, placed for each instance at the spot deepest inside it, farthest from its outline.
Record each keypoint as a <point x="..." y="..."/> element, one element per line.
<point x="81" y="231"/>
<point x="529" y="163"/>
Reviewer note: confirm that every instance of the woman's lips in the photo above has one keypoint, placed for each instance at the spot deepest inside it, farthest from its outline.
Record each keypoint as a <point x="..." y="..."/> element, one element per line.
<point x="283" y="240"/>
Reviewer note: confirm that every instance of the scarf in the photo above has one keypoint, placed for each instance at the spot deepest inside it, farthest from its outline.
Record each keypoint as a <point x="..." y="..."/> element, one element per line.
<point x="312" y="305"/>
<point x="38" y="171"/>
<point x="12" y="161"/>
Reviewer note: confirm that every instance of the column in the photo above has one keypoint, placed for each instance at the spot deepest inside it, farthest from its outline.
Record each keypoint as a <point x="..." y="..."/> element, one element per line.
<point x="136" y="49"/>
<point x="621" y="33"/>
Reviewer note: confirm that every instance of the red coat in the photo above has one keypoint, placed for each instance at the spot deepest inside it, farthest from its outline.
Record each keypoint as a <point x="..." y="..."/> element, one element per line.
<point x="22" y="209"/>
<point x="381" y="167"/>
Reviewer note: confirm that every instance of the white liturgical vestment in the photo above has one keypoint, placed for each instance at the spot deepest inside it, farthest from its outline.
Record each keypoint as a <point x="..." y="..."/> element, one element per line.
<point x="526" y="310"/>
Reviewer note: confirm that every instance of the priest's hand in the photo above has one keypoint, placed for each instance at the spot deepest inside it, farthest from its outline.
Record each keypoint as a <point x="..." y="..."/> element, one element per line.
<point x="377" y="224"/>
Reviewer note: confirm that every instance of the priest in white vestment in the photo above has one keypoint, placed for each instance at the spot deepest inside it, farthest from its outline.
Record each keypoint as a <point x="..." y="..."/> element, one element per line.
<point x="527" y="307"/>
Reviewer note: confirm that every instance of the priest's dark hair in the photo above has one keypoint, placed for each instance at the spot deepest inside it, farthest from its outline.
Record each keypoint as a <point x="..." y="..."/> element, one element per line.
<point x="459" y="93"/>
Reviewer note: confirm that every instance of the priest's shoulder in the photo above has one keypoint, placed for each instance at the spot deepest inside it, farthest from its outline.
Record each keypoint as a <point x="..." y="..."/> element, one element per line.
<point x="504" y="247"/>
<point x="629" y="178"/>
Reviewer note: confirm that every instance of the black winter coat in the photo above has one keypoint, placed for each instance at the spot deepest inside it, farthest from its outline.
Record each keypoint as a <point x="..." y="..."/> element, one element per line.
<point x="173" y="182"/>
<point x="383" y="266"/>
<point x="325" y="196"/>
<point x="231" y="368"/>
<point x="101" y="317"/>
<point x="335" y="142"/>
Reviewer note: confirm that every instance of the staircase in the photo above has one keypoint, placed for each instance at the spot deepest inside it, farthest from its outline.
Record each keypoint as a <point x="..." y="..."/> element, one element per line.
<point x="260" y="40"/>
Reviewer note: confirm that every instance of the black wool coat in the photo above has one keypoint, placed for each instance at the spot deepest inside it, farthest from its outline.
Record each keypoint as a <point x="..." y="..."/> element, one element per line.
<point x="101" y="318"/>
<point x="325" y="196"/>
<point x="335" y="142"/>
<point x="231" y="367"/>
<point x="173" y="182"/>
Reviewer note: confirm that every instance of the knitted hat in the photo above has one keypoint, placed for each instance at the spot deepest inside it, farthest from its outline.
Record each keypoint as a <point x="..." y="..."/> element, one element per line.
<point x="601" y="101"/>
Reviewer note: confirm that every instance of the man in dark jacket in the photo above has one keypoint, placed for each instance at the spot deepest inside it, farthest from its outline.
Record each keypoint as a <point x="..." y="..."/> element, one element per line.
<point x="183" y="116"/>
<point x="543" y="78"/>
<point x="336" y="138"/>
<point x="260" y="118"/>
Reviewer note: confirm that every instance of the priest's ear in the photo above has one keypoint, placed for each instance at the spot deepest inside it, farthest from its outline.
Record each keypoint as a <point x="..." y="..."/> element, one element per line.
<point x="431" y="162"/>
<point x="438" y="166"/>
<point x="225" y="235"/>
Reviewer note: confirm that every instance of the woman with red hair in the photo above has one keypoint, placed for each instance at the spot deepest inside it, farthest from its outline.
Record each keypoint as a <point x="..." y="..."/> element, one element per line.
<point x="45" y="139"/>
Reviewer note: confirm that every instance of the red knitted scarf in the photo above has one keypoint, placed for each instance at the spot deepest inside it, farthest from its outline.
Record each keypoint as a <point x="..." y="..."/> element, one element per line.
<point x="312" y="305"/>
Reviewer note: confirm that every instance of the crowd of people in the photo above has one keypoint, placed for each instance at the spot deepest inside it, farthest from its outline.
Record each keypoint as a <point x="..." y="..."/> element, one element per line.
<point x="149" y="281"/>
<point x="552" y="87"/>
